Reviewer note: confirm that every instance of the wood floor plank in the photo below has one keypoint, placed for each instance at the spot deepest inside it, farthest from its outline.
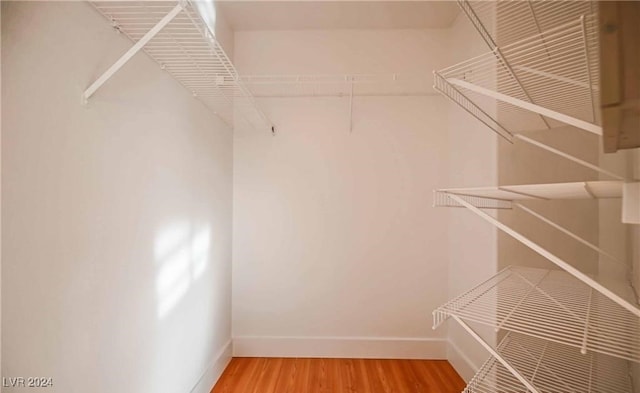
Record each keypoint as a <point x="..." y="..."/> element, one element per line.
<point x="335" y="376"/>
<point x="286" y="382"/>
<point x="431" y="376"/>
<point x="304" y="375"/>
<point x="362" y="377"/>
<point x="322" y="378"/>
<point x="417" y="382"/>
<point x="268" y="376"/>
<point x="229" y="378"/>
<point x="349" y="373"/>
<point x="402" y="380"/>
<point x="303" y="371"/>
<point x="378" y="377"/>
<point x="247" y="379"/>
<point x="449" y="374"/>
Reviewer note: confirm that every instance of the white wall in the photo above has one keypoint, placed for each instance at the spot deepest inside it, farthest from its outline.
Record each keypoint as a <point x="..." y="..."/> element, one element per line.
<point x="634" y="251"/>
<point x="217" y="23"/>
<point x="0" y="203"/>
<point x="614" y="236"/>
<point x="337" y="250"/>
<point x="623" y="240"/>
<point x="634" y="231"/>
<point x="471" y="241"/>
<point x="116" y="216"/>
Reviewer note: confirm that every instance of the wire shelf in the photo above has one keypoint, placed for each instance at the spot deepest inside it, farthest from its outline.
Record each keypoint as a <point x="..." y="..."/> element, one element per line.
<point x="339" y="85"/>
<point x="543" y="81"/>
<point x="551" y="305"/>
<point x="442" y="199"/>
<point x="551" y="368"/>
<point x="521" y="19"/>
<point x="187" y="49"/>
<point x="572" y="190"/>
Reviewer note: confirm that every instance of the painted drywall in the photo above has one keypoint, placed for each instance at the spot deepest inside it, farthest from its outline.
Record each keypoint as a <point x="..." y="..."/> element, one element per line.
<point x="622" y="240"/>
<point x="337" y="250"/>
<point x="635" y="229"/>
<point x="634" y="252"/>
<point x="0" y="198"/>
<point x="614" y="236"/>
<point x="217" y="23"/>
<point x="471" y="241"/>
<point x="116" y="215"/>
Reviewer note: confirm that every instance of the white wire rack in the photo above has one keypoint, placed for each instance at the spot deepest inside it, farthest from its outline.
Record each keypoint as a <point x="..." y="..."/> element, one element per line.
<point x="339" y="85"/>
<point x="176" y="37"/>
<point x="442" y="199"/>
<point x="551" y="305"/>
<point x="572" y="190"/>
<point x="514" y="194"/>
<point x="521" y="19"/>
<point x="550" y="368"/>
<point x="545" y="80"/>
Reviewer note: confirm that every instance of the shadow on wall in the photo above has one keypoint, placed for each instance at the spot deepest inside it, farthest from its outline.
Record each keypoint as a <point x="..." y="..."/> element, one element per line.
<point x="182" y="255"/>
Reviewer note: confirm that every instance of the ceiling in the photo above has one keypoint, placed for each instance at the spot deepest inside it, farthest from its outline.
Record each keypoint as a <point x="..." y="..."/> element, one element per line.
<point x="307" y="15"/>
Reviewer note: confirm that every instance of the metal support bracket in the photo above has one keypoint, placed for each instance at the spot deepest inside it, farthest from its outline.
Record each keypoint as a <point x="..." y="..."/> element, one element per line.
<point x="590" y="127"/>
<point x="511" y="72"/>
<point x="583" y="22"/>
<point x="132" y="51"/>
<point x="567" y="156"/>
<point x="626" y="304"/>
<point x="455" y="95"/>
<point x="570" y="234"/>
<point x="497" y="355"/>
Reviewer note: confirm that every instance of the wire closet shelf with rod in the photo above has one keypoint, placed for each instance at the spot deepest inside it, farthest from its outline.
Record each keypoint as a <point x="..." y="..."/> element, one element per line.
<point x="176" y="36"/>
<point x="539" y="78"/>
<point x="561" y="330"/>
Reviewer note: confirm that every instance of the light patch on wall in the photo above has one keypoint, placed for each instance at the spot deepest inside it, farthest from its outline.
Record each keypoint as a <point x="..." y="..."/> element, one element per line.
<point x="200" y="252"/>
<point x="208" y="11"/>
<point x="182" y="254"/>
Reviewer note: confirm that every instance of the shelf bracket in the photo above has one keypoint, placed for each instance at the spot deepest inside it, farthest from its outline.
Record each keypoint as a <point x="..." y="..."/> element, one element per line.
<point x="585" y="334"/>
<point x="588" y="66"/>
<point x="590" y="127"/>
<point x="455" y="95"/>
<point x="567" y="156"/>
<point x="534" y="286"/>
<point x="540" y="32"/>
<point x="551" y="257"/>
<point x="132" y="51"/>
<point x="471" y="15"/>
<point x="540" y="364"/>
<point x="570" y="234"/>
<point x="496" y="355"/>
<point x="511" y="72"/>
<point x="493" y="46"/>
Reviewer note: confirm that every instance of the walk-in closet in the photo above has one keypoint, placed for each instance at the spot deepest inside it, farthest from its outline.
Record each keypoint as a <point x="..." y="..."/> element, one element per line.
<point x="230" y="196"/>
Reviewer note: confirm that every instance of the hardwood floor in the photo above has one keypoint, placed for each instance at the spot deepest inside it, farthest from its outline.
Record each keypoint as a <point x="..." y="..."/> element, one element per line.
<point x="298" y="375"/>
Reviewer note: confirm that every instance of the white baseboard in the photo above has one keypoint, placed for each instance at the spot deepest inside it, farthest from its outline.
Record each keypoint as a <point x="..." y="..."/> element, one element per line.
<point x="460" y="362"/>
<point x="214" y="369"/>
<point x="340" y="347"/>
